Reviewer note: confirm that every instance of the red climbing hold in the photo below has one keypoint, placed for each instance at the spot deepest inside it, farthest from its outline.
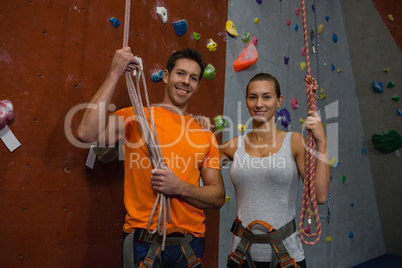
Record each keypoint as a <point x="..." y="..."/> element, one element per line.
<point x="247" y="57"/>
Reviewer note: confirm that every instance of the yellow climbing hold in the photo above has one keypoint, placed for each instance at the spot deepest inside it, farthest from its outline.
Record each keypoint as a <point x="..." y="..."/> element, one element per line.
<point x="212" y="46"/>
<point x="386" y="70"/>
<point x="227" y="199"/>
<point x="390" y="17"/>
<point x="339" y="70"/>
<point x="230" y="28"/>
<point x="241" y="128"/>
<point x="302" y="66"/>
<point x="302" y="123"/>
<point x="329" y="239"/>
<point x="332" y="161"/>
<point x="256" y="20"/>
<point x="320" y="28"/>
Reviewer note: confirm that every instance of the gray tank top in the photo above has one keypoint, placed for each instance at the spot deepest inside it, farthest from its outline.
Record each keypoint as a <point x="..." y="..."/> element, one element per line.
<point x="266" y="189"/>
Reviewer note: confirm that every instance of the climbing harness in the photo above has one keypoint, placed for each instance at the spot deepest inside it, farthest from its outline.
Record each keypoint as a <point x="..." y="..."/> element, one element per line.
<point x="309" y="196"/>
<point x="273" y="237"/>
<point x="175" y="236"/>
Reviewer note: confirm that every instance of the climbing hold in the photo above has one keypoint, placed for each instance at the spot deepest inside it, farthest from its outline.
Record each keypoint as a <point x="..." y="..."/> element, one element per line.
<point x="295" y="103"/>
<point x="296" y="27"/>
<point x="283" y="116"/>
<point x="230" y="28"/>
<point x="227" y="199"/>
<point x="377" y="87"/>
<point x="332" y="67"/>
<point x="396" y="98"/>
<point x="343" y="179"/>
<point x="256" y="20"/>
<point x="209" y="72"/>
<point x="312" y="34"/>
<point x="241" y="128"/>
<point x="321" y="95"/>
<point x="180" y="27"/>
<point x="334" y="37"/>
<point x="302" y="123"/>
<point x="67" y="170"/>
<point x="332" y="162"/>
<point x="399" y="112"/>
<point x="286" y="59"/>
<point x="313" y="7"/>
<point x="255" y="40"/>
<point x="288" y="22"/>
<point x="246" y="37"/>
<point x="339" y="70"/>
<point x="297" y="11"/>
<point x="196" y="36"/>
<point x="6" y="113"/>
<point x="259" y="2"/>
<point x="212" y="45"/>
<point x="247" y="57"/>
<point x="387" y="142"/>
<point x="326" y="18"/>
<point x="162" y="13"/>
<point x="115" y="22"/>
<point x="352" y="204"/>
<point x="156" y="77"/>
<point x="386" y="70"/>
<point x="329" y="239"/>
<point x="362" y="150"/>
<point x="350" y="235"/>
<point x="390" y="84"/>
<point x="304" y="51"/>
<point x="302" y="66"/>
<point x="320" y="28"/>
<point x="390" y="17"/>
<point x="219" y="123"/>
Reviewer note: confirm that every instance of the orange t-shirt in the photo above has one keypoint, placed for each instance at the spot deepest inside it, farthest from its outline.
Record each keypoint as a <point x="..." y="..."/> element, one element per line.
<point x="185" y="147"/>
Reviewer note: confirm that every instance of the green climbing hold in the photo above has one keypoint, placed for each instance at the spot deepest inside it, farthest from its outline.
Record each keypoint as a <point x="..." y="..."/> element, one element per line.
<point x="387" y="142"/>
<point x="246" y="37"/>
<point x="196" y="36"/>
<point x="219" y="123"/>
<point x="396" y="98"/>
<point x="343" y="179"/>
<point x="390" y="84"/>
<point x="209" y="72"/>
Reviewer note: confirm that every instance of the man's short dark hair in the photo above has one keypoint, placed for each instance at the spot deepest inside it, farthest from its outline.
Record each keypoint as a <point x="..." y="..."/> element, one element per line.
<point x="187" y="53"/>
<point x="266" y="77"/>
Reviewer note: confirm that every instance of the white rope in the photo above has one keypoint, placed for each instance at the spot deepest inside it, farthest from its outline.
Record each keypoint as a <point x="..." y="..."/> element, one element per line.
<point x="151" y="139"/>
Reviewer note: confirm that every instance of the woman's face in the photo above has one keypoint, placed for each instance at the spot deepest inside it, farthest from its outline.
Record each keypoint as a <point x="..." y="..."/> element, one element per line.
<point x="262" y="100"/>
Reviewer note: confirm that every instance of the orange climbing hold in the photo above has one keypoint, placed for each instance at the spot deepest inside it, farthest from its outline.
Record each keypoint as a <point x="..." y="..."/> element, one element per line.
<point x="247" y="57"/>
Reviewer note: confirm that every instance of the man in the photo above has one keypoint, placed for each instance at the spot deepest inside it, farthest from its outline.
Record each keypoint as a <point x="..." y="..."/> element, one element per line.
<point x="188" y="152"/>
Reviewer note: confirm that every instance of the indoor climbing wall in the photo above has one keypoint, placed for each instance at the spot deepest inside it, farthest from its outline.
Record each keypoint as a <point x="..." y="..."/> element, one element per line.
<point x="351" y="230"/>
<point x="54" y="210"/>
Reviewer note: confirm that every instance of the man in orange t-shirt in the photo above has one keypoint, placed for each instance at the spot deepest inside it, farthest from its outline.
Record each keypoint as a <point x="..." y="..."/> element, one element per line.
<point x="188" y="152"/>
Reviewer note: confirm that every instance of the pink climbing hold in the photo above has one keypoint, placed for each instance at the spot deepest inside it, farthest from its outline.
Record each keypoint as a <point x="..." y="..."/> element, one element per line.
<point x="297" y="11"/>
<point x="288" y="22"/>
<point x="6" y="113"/>
<point x="295" y="103"/>
<point x="247" y="57"/>
<point x="255" y="40"/>
<point x="304" y="51"/>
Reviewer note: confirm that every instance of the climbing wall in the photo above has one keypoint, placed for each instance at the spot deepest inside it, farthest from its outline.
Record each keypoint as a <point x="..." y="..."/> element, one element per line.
<point x="351" y="230"/>
<point x="55" y="211"/>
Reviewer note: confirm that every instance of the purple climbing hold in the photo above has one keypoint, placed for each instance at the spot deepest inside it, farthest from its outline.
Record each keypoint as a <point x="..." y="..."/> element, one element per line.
<point x="259" y="2"/>
<point x="180" y="27"/>
<point x="377" y="87"/>
<point x="286" y="59"/>
<point x="115" y="22"/>
<point x="313" y="7"/>
<point x="283" y="116"/>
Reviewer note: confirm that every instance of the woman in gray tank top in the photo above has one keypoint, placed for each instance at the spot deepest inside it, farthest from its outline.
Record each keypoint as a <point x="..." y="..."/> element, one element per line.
<point x="266" y="166"/>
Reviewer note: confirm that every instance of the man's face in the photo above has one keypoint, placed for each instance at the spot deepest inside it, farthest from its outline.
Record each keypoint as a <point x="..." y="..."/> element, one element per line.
<point x="182" y="82"/>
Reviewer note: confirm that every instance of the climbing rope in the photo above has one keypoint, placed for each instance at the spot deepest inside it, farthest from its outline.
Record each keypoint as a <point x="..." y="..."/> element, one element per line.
<point x="151" y="139"/>
<point x="309" y="197"/>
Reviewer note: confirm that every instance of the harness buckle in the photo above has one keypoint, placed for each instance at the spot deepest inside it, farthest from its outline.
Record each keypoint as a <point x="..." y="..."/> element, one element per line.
<point x="286" y="265"/>
<point x="235" y="259"/>
<point x="196" y="263"/>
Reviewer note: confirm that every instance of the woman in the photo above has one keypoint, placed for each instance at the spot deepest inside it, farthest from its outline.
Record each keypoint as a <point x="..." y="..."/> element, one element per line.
<point x="266" y="166"/>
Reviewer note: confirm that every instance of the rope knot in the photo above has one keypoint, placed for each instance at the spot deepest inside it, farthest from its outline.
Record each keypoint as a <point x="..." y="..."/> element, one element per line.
<point x="311" y="83"/>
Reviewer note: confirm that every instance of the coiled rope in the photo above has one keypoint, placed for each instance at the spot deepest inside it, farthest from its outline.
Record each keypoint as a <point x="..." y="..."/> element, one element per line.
<point x="309" y="197"/>
<point x="151" y="139"/>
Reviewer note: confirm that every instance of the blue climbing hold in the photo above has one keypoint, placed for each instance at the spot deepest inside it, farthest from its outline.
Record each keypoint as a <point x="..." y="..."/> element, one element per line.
<point x="283" y="116"/>
<point x="332" y="67"/>
<point x="326" y="18"/>
<point x="399" y="112"/>
<point x="115" y="22"/>
<point x="377" y="87"/>
<point x="334" y="38"/>
<point x="180" y="27"/>
<point x="351" y="235"/>
<point x="156" y="77"/>
<point x="296" y="27"/>
<point x="352" y="204"/>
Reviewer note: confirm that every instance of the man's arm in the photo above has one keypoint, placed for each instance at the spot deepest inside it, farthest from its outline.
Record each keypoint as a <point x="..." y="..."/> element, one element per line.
<point x="94" y="125"/>
<point x="211" y="195"/>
